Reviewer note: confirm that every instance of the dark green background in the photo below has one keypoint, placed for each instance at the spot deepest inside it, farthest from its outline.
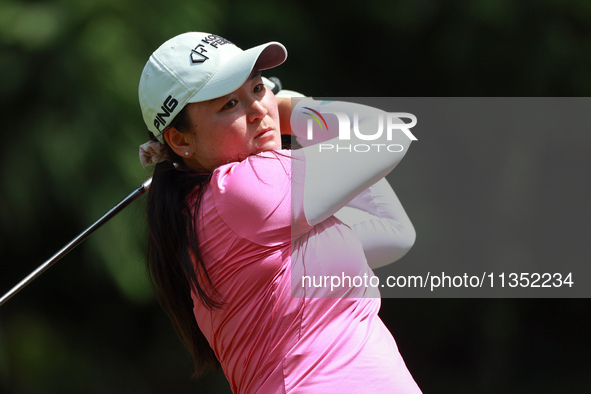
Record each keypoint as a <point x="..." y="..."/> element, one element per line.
<point x="71" y="127"/>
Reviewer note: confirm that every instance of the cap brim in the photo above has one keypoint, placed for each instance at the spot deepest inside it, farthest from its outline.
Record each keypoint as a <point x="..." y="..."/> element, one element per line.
<point x="234" y="72"/>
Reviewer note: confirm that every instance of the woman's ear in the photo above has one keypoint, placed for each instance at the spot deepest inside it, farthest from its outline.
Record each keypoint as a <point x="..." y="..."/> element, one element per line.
<point x="178" y="142"/>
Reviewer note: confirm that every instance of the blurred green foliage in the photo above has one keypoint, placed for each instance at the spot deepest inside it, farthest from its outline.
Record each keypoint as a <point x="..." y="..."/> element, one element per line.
<point x="71" y="128"/>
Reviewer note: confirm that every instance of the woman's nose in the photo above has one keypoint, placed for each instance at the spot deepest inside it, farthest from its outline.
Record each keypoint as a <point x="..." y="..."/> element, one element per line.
<point x="257" y="111"/>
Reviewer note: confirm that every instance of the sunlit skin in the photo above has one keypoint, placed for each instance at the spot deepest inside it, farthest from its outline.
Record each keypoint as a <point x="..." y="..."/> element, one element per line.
<point x="230" y="128"/>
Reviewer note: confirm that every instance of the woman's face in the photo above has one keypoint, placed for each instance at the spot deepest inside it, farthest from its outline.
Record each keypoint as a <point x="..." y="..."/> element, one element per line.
<point x="233" y="127"/>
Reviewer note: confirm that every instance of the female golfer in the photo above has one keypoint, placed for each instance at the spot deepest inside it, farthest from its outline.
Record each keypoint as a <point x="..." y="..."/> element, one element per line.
<point x="261" y="256"/>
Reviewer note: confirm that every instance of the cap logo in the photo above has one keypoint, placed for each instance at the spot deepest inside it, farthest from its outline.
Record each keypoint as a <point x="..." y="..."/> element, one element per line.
<point x="167" y="107"/>
<point x="198" y="54"/>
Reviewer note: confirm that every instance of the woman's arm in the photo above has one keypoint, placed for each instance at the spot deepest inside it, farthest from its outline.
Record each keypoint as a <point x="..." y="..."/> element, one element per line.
<point x="327" y="179"/>
<point x="381" y="224"/>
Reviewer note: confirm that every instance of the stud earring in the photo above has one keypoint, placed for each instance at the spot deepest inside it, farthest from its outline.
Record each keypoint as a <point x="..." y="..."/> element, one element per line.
<point x="186" y="153"/>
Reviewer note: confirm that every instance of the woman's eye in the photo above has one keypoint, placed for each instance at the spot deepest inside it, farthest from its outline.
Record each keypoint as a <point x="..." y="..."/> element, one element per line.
<point x="230" y="104"/>
<point x="259" y="87"/>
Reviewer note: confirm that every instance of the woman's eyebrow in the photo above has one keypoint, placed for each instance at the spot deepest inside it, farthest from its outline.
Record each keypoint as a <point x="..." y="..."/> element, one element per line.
<point x="254" y="74"/>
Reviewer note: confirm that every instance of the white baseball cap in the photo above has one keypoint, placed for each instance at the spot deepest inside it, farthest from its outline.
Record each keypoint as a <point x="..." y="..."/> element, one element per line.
<point x="194" y="67"/>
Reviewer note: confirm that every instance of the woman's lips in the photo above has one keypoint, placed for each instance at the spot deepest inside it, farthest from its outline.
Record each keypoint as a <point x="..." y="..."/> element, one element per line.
<point x="266" y="132"/>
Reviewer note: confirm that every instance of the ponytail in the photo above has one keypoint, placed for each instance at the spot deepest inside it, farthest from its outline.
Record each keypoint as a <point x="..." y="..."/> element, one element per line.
<point x="172" y="241"/>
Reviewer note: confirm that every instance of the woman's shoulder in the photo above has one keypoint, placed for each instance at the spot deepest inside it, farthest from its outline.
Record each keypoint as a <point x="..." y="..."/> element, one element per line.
<point x="259" y="179"/>
<point x="253" y="196"/>
<point x="262" y="168"/>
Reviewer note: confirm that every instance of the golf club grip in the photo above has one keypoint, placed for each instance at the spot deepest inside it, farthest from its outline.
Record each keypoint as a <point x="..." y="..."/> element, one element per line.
<point x="81" y="237"/>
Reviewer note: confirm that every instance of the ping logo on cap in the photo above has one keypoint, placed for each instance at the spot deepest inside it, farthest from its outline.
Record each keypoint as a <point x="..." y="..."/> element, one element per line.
<point x="167" y="107"/>
<point x="198" y="54"/>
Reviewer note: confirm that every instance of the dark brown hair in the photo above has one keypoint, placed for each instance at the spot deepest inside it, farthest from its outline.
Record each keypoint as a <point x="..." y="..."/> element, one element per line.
<point x="173" y="202"/>
<point x="175" y="195"/>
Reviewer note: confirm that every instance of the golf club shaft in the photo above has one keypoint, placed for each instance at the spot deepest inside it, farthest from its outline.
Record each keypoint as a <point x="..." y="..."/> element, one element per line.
<point x="56" y="257"/>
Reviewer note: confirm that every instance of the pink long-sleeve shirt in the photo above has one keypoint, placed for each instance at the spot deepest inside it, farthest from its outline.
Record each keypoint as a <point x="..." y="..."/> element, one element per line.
<point x="273" y="334"/>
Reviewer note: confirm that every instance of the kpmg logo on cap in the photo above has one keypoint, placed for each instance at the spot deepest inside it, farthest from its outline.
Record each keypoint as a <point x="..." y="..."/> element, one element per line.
<point x="198" y="54"/>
